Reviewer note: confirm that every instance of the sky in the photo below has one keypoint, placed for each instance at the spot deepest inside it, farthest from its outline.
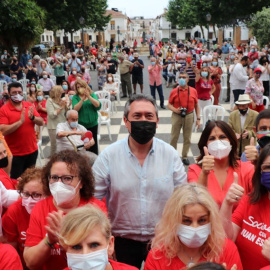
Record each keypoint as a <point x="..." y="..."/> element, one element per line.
<point x="145" y="8"/>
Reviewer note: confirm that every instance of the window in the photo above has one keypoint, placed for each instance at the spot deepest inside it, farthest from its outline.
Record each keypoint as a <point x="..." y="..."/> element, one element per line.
<point x="47" y="38"/>
<point x="50" y="38"/>
<point x="42" y="38"/>
<point x="112" y="25"/>
<point x="173" y="26"/>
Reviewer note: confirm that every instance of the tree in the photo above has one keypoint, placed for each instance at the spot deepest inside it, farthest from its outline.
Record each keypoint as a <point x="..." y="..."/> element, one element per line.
<point x="260" y="25"/>
<point x="21" y="22"/>
<point x="65" y="14"/>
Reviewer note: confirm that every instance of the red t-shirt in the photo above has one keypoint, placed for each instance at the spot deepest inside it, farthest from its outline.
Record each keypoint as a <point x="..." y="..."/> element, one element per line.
<point x="204" y="88"/>
<point x="7" y="182"/>
<point x="71" y="78"/>
<point x="192" y="100"/>
<point x="37" y="232"/>
<point x="117" y="266"/>
<point x="9" y="258"/>
<point x="94" y="52"/>
<point x="43" y="105"/>
<point x="254" y="221"/>
<point x="230" y="256"/>
<point x="15" y="223"/>
<point x="245" y="172"/>
<point x="253" y="56"/>
<point x="23" y="140"/>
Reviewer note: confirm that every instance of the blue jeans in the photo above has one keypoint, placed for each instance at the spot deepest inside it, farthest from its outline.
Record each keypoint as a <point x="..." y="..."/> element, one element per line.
<point x="160" y="93"/>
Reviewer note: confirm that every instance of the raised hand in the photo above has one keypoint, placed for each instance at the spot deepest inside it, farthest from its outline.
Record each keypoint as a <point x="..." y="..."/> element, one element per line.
<point x="235" y="191"/>
<point x="208" y="161"/>
<point x="251" y="151"/>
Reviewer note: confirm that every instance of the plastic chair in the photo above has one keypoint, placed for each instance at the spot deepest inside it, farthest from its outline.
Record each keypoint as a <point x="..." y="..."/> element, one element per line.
<point x="211" y="112"/>
<point x="265" y="102"/>
<point x="53" y="78"/>
<point x="98" y="131"/>
<point x="105" y="112"/>
<point x="224" y="85"/>
<point x="66" y="75"/>
<point x="39" y="144"/>
<point x="24" y="83"/>
<point x="52" y="71"/>
<point x="212" y="99"/>
<point x="3" y="86"/>
<point x="118" y="81"/>
<point x="106" y="95"/>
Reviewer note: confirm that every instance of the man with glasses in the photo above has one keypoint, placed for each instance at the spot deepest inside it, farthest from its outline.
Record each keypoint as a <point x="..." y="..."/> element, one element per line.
<point x="17" y="123"/>
<point x="183" y="102"/>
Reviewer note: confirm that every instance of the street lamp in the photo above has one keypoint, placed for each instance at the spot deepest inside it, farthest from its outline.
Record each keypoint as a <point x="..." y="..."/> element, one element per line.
<point x="118" y="32"/>
<point x="82" y="20"/>
<point x="208" y="19"/>
<point x="169" y="32"/>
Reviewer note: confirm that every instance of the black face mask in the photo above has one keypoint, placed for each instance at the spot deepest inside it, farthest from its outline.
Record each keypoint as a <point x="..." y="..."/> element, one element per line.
<point x="142" y="131"/>
<point x="83" y="70"/>
<point x="243" y="112"/>
<point x="263" y="141"/>
<point x="73" y="57"/>
<point x="4" y="162"/>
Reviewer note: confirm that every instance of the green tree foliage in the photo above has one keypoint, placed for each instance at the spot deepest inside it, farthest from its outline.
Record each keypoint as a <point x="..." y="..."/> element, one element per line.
<point x="65" y="14"/>
<point x="21" y="22"/>
<point x="260" y="25"/>
<point x="188" y="13"/>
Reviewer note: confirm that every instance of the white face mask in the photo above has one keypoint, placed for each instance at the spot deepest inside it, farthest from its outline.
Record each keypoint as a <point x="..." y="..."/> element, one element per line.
<point x="62" y="193"/>
<point x="74" y="72"/>
<point x="110" y="79"/>
<point x="96" y="260"/>
<point x="194" y="237"/>
<point x="219" y="149"/>
<point x="17" y="98"/>
<point x="33" y="89"/>
<point x="29" y="203"/>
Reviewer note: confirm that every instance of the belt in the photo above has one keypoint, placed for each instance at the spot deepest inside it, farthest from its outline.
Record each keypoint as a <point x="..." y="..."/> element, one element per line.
<point x="124" y="73"/>
<point x="204" y="99"/>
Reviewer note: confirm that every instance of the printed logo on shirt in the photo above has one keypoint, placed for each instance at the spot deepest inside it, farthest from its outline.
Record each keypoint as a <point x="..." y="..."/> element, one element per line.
<point x="23" y="236"/>
<point x="258" y="240"/>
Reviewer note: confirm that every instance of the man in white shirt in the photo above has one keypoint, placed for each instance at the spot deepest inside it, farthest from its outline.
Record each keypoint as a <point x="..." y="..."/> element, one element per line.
<point x="137" y="175"/>
<point x="207" y="58"/>
<point x="75" y="132"/>
<point x="46" y="83"/>
<point x="239" y="78"/>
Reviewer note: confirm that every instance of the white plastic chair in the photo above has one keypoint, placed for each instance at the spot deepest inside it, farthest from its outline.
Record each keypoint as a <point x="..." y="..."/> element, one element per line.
<point x="211" y="112"/>
<point x="66" y="75"/>
<point x="39" y="144"/>
<point x="24" y="83"/>
<point x="266" y="102"/>
<point x="118" y="81"/>
<point x="224" y="86"/>
<point x="103" y="94"/>
<point x="98" y="131"/>
<point x="53" y="78"/>
<point x="105" y="112"/>
<point x="212" y="99"/>
<point x="3" y="86"/>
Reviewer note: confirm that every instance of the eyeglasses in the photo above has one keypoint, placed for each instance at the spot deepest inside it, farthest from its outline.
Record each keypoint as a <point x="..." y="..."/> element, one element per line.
<point x="65" y="179"/>
<point x="34" y="196"/>
<point x="265" y="168"/>
<point x="258" y="73"/>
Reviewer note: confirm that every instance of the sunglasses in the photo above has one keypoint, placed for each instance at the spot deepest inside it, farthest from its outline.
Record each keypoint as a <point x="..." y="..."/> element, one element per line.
<point x="258" y="73"/>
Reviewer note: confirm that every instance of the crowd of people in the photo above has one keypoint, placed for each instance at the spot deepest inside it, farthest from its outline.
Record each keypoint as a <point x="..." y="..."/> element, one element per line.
<point x="135" y="205"/>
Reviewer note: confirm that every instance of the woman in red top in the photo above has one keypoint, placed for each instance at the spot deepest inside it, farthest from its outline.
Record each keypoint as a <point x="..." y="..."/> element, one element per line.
<point x="71" y="184"/>
<point x="216" y="73"/>
<point x="40" y="104"/>
<point x="218" y="161"/>
<point x="190" y="231"/>
<point x="16" y="220"/>
<point x="205" y="88"/>
<point x="249" y="225"/>
<point x="86" y="236"/>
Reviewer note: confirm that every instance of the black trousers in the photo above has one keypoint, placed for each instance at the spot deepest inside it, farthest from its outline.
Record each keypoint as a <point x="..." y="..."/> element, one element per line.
<point x="21" y="163"/>
<point x="94" y="148"/>
<point x="266" y="88"/>
<point x="130" y="251"/>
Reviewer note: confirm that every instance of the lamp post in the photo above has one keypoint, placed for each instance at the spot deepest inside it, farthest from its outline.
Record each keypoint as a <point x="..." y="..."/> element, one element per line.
<point x="82" y="20"/>
<point x="208" y="19"/>
<point x="169" y="31"/>
<point x="118" y="32"/>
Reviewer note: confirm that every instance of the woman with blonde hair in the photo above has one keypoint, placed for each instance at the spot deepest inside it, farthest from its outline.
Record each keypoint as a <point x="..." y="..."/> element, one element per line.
<point x="56" y="107"/>
<point x="111" y="86"/>
<point x="82" y="227"/>
<point x="86" y="103"/>
<point x="190" y="231"/>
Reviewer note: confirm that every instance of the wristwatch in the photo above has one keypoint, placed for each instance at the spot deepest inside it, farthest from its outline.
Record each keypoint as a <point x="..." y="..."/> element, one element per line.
<point x="198" y="118"/>
<point x="33" y="118"/>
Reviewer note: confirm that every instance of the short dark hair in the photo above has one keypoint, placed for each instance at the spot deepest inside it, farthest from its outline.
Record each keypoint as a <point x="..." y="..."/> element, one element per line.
<point x="75" y="162"/>
<point x="207" y="266"/>
<point x="258" y="189"/>
<point x="244" y="58"/>
<point x="14" y="85"/>
<point x="265" y="114"/>
<point x="229" y="133"/>
<point x="139" y="97"/>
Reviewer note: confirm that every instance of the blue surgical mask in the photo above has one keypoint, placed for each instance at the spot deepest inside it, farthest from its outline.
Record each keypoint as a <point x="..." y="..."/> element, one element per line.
<point x="29" y="63"/>
<point x="39" y="98"/>
<point x="182" y="82"/>
<point x="3" y="75"/>
<point x="70" y="97"/>
<point x="266" y="48"/>
<point x="204" y="65"/>
<point x="204" y="74"/>
<point x="234" y="47"/>
<point x="232" y="56"/>
<point x="215" y="63"/>
<point x="33" y="82"/>
<point x="65" y="87"/>
<point x="265" y="179"/>
<point x="206" y="53"/>
<point x="252" y="50"/>
<point x="73" y="124"/>
<point x="153" y="63"/>
<point x="14" y="80"/>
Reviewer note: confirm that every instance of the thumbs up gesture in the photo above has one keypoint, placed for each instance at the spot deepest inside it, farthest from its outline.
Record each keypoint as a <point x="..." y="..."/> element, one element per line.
<point x="251" y="151"/>
<point x="266" y="249"/>
<point x="208" y="161"/>
<point x="235" y="191"/>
